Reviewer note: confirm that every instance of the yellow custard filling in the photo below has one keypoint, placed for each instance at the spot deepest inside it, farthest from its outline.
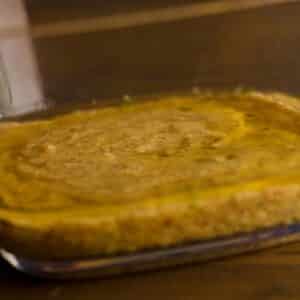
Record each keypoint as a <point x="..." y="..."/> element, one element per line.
<point x="151" y="173"/>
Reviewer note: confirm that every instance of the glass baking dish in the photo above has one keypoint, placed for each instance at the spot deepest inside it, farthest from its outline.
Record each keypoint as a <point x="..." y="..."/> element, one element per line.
<point x="58" y="58"/>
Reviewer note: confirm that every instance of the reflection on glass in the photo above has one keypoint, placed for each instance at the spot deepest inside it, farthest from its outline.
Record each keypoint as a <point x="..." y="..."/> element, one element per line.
<point x="20" y="89"/>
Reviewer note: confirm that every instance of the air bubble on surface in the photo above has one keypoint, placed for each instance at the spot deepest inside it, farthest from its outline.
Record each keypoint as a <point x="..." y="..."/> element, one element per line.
<point x="196" y="90"/>
<point x="127" y="99"/>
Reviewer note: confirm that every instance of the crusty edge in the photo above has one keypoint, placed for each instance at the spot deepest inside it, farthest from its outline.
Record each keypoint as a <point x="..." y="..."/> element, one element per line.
<point x="8" y="125"/>
<point x="156" y="226"/>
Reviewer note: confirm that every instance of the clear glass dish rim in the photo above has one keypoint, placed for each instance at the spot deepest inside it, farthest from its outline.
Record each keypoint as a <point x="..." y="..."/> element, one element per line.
<point x="199" y="251"/>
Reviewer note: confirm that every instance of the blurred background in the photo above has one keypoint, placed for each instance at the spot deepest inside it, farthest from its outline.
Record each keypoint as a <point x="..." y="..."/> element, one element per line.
<point x="67" y="51"/>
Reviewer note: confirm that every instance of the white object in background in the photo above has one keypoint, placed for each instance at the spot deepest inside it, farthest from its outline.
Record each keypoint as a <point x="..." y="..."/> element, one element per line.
<point x="18" y="67"/>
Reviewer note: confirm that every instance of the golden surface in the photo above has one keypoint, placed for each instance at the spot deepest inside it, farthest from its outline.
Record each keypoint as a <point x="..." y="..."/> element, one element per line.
<point x="151" y="173"/>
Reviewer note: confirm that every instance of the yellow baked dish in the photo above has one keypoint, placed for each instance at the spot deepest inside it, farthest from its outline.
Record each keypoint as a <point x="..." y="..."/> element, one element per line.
<point x="153" y="173"/>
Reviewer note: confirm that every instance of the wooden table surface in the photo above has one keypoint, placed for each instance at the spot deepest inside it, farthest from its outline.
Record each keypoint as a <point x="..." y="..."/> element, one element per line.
<point x="268" y="274"/>
<point x="259" y="49"/>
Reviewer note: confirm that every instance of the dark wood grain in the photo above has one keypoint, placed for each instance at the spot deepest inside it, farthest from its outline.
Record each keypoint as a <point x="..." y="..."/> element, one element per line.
<point x="255" y="49"/>
<point x="56" y="10"/>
